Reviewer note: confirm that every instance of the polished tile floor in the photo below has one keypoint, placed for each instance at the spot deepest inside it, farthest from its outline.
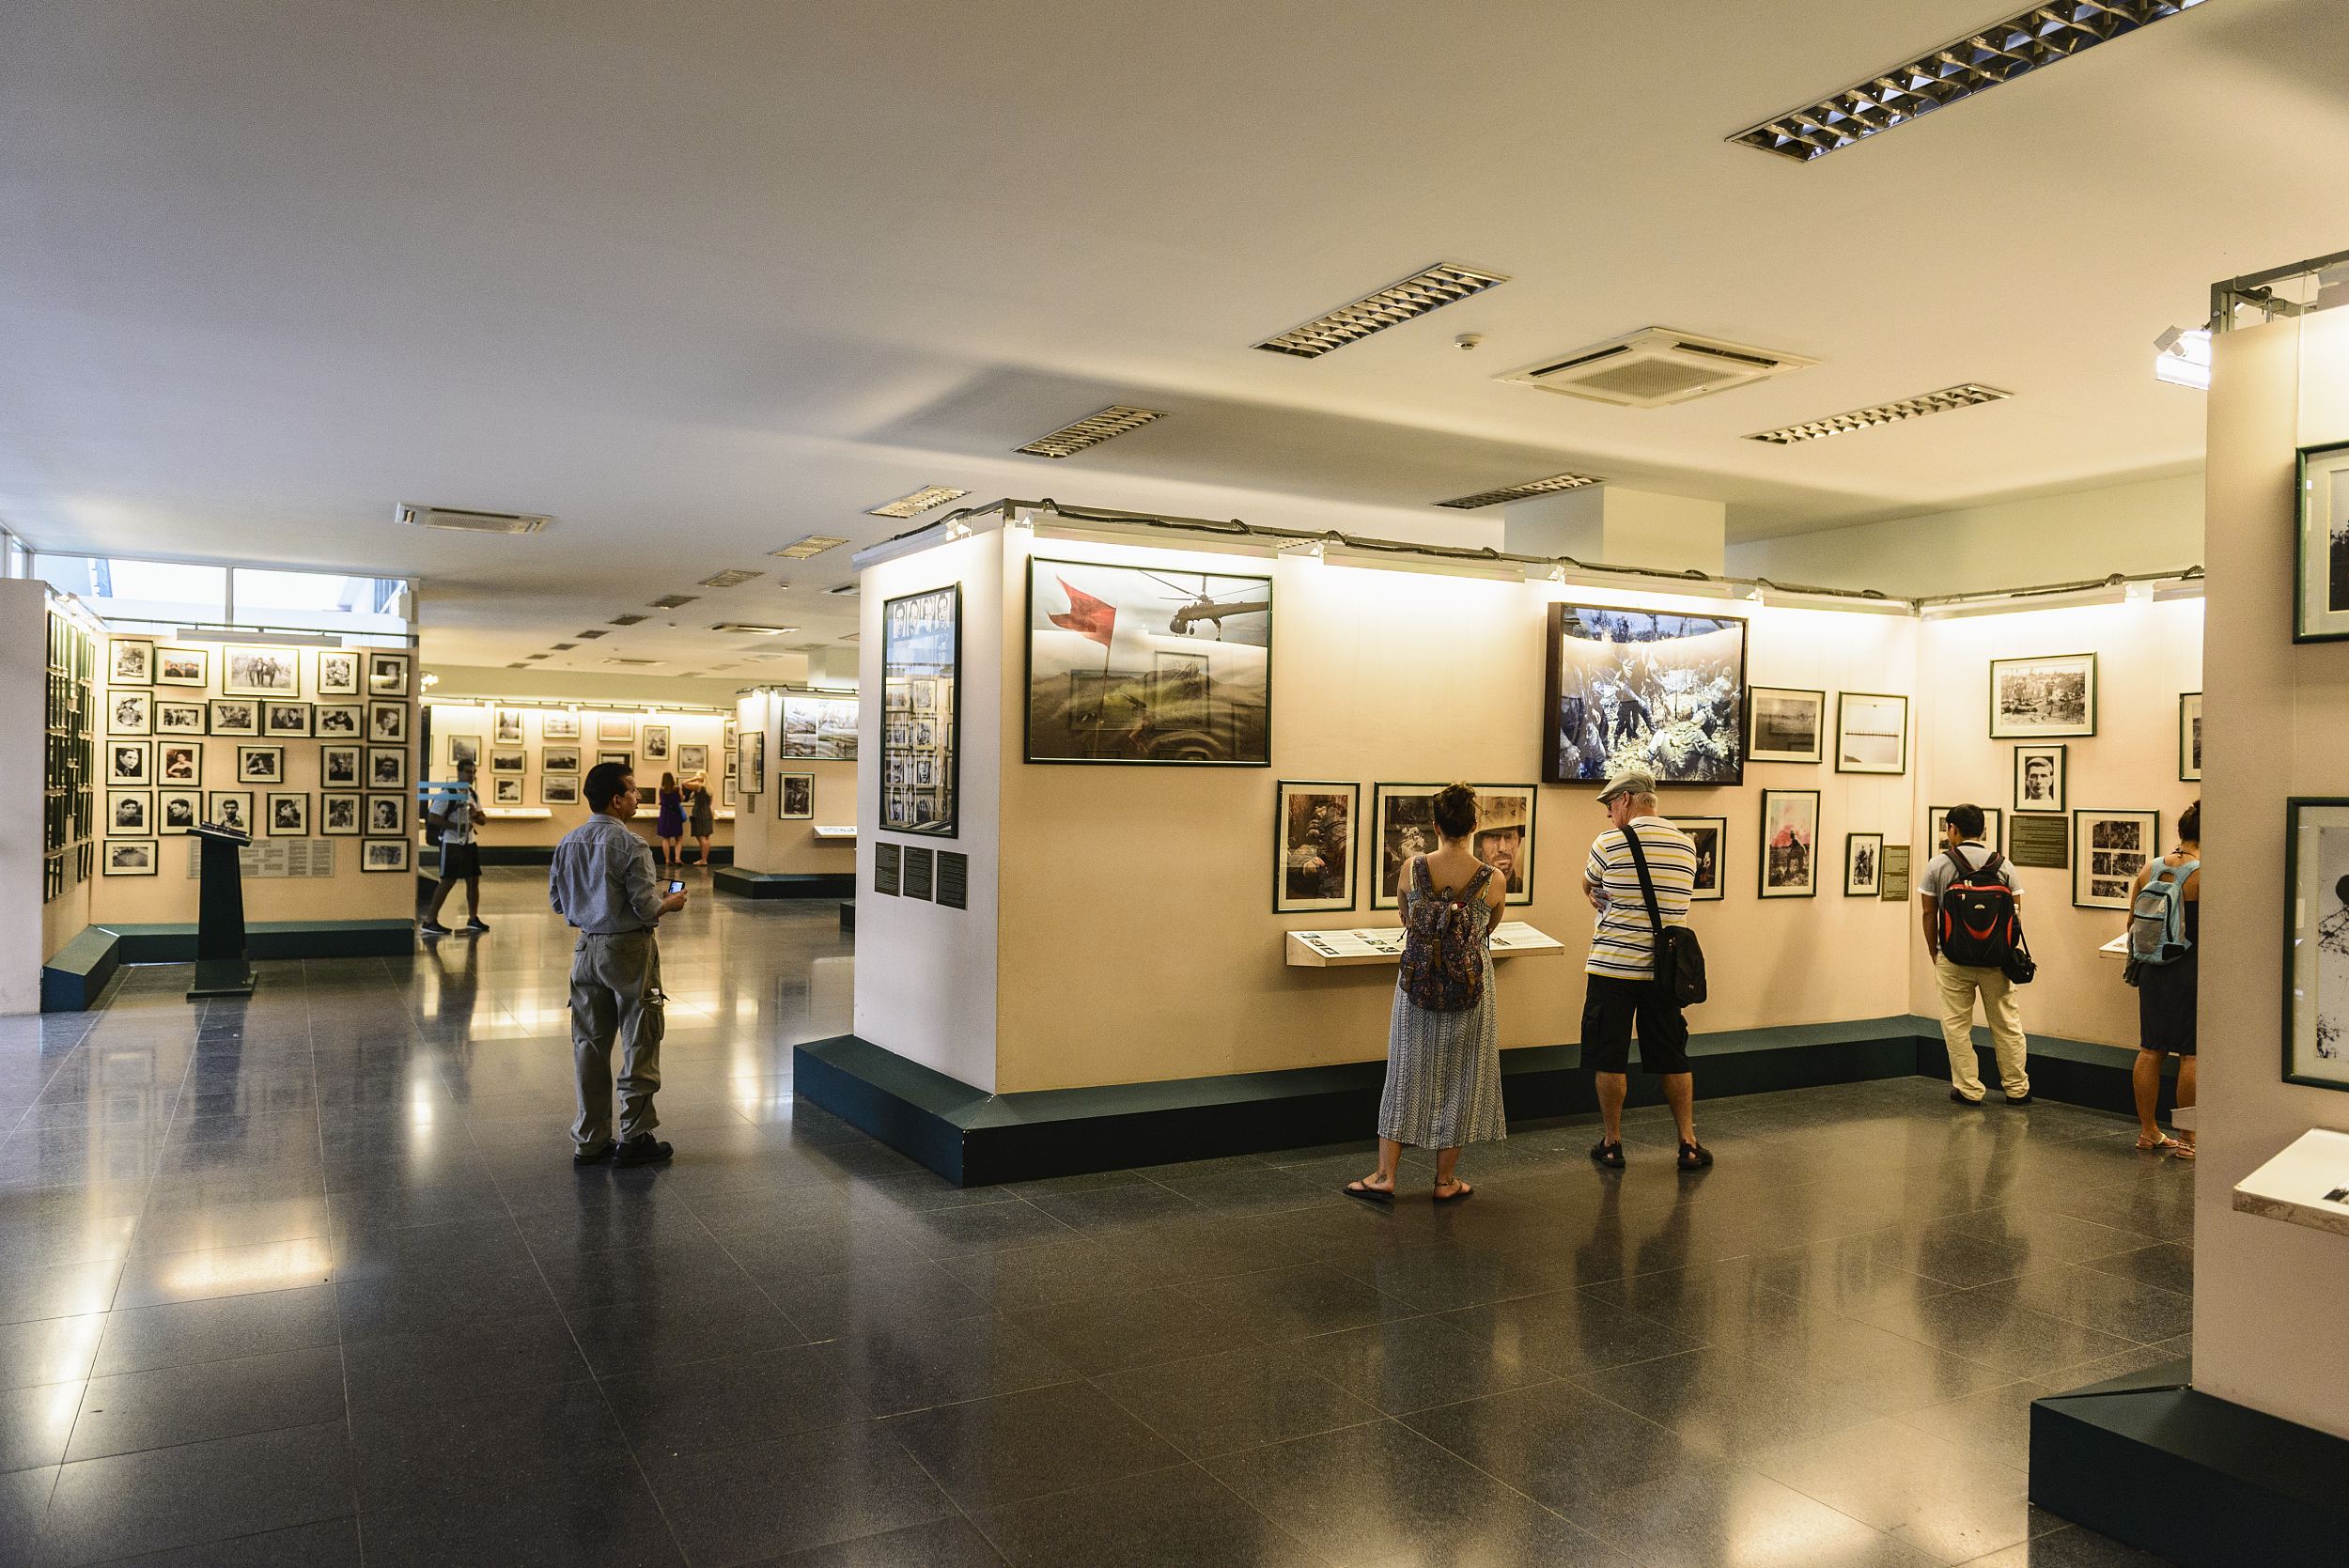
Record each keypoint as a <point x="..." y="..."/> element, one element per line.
<point x="308" y="1279"/>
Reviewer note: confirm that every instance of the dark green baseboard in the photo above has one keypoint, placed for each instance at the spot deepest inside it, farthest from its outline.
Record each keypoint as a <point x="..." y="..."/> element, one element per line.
<point x="72" y="980"/>
<point x="783" y="884"/>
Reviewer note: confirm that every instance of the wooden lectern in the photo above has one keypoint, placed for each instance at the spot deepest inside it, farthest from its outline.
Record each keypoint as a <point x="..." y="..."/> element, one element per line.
<point x="220" y="969"/>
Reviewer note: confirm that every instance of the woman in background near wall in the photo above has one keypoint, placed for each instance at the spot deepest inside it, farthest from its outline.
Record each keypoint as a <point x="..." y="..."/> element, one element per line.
<point x="2166" y="997"/>
<point x="705" y="821"/>
<point x="670" y="825"/>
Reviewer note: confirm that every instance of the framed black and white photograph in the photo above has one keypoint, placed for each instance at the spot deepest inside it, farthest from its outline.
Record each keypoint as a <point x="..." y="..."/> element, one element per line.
<point x="236" y="715"/>
<point x="286" y="813"/>
<point x="1099" y="693"/>
<point x="505" y="792"/>
<point x="248" y="672"/>
<point x="558" y="789"/>
<point x="183" y="667"/>
<point x="131" y="713"/>
<point x="2033" y="699"/>
<point x="180" y="762"/>
<point x="1710" y="834"/>
<point x="1790" y="844"/>
<point x="1871" y="733"/>
<point x="339" y="721"/>
<point x="2040" y="777"/>
<point x="181" y="717"/>
<point x="621" y="759"/>
<point x="509" y="761"/>
<point x="1788" y="724"/>
<point x="922" y="647"/>
<point x="795" y="797"/>
<point x="753" y="770"/>
<point x="652" y="744"/>
<point x="339" y="814"/>
<point x="131" y="811"/>
<point x="1313" y="849"/>
<point x="1863" y="866"/>
<point x="2321" y="557"/>
<point x="462" y="748"/>
<point x="383" y="855"/>
<point x="507" y="727"/>
<point x="131" y="762"/>
<point x="1638" y="689"/>
<point x="1402" y="824"/>
<point x="387" y="767"/>
<point x="2190" y="738"/>
<point x="178" y="810"/>
<point x="387" y="816"/>
<point x="260" y="765"/>
<point x="387" y="675"/>
<point x="387" y="723"/>
<point x="2316" y="939"/>
<point x="1993" y="829"/>
<point x="818" y="728"/>
<point x="130" y="662"/>
<point x="693" y="761"/>
<point x="338" y="673"/>
<point x="338" y="767"/>
<point x="291" y="720"/>
<point x="558" y="759"/>
<point x="558" y="726"/>
<point x="231" y="807"/>
<point x="616" y="726"/>
<point x="131" y="857"/>
<point x="2108" y="850"/>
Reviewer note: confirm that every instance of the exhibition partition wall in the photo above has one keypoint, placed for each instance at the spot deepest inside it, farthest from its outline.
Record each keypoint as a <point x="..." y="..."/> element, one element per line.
<point x="530" y="757"/>
<point x="798" y="835"/>
<point x="48" y="651"/>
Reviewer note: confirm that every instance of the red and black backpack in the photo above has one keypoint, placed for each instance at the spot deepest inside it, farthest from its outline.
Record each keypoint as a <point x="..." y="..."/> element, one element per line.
<point x="1979" y="928"/>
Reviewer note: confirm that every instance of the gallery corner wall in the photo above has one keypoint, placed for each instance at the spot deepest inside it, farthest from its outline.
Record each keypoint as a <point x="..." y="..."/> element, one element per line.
<point x="766" y="841"/>
<point x="535" y="823"/>
<point x="25" y="942"/>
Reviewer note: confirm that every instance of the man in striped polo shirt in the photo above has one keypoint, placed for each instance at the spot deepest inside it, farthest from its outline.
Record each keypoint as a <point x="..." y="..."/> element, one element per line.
<point x="1622" y="988"/>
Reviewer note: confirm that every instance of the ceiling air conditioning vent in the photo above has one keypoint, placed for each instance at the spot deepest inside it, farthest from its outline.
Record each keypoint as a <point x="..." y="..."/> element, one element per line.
<point x="466" y="521"/>
<point x="635" y="664"/>
<point x="1655" y="367"/>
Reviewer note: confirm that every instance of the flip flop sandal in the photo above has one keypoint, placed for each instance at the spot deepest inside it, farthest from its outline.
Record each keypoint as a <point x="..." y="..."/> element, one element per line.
<point x="2160" y="1143"/>
<point x="2181" y="1151"/>
<point x="1459" y="1191"/>
<point x="1368" y="1194"/>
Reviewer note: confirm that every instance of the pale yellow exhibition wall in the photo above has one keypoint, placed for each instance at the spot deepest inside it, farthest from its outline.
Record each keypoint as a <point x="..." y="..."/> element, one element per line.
<point x="477" y="719"/>
<point x="765" y="842"/>
<point x="2267" y="1296"/>
<point x="2147" y="655"/>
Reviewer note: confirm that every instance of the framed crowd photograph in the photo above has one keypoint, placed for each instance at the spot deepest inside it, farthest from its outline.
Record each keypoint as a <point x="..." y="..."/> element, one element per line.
<point x="1313" y="846"/>
<point x="286" y="719"/>
<point x="1098" y="688"/>
<point x="236" y="715"/>
<point x="507" y="727"/>
<point x="616" y="726"/>
<point x="2108" y="850"/>
<point x="1993" y="829"/>
<point x="1871" y="733"/>
<point x="387" y="675"/>
<point x="1790" y="844"/>
<point x="339" y="814"/>
<point x="260" y="671"/>
<point x="339" y="721"/>
<point x="231" y="807"/>
<point x="2032" y="699"/>
<point x="1637" y="688"/>
<point x="179" y="810"/>
<point x="260" y="765"/>
<point x="183" y="667"/>
<point x="131" y="713"/>
<point x="383" y="855"/>
<point x="2316" y="937"/>
<point x="386" y="816"/>
<point x="131" y="857"/>
<point x="558" y="759"/>
<point x="921" y="660"/>
<point x="338" y="767"/>
<point x="505" y="792"/>
<point x="131" y="811"/>
<point x="795" y="797"/>
<point x="1402" y="824"/>
<point x="2040" y="777"/>
<point x="338" y="673"/>
<point x="1710" y="834"/>
<point x="286" y="814"/>
<point x="558" y="789"/>
<point x="2189" y="738"/>
<point x="181" y="717"/>
<point x="180" y="762"/>
<point x="462" y="748"/>
<point x="387" y="767"/>
<point x="131" y="762"/>
<point x="1863" y="866"/>
<point x="509" y="761"/>
<point x="558" y="726"/>
<point x="387" y="722"/>
<point x="2321" y="557"/>
<point x="1788" y="725"/>
<point x="130" y="662"/>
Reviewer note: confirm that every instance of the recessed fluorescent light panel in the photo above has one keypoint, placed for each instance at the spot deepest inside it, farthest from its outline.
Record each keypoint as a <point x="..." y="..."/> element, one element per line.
<point x="1550" y="486"/>
<point x="748" y="630"/>
<point x="928" y="498"/>
<point x="813" y="544"/>
<point x="628" y="620"/>
<point x="1415" y="296"/>
<point x="671" y="601"/>
<point x="1960" y="69"/>
<point x="1090" y="431"/>
<point x="734" y="579"/>
<point x="1949" y="398"/>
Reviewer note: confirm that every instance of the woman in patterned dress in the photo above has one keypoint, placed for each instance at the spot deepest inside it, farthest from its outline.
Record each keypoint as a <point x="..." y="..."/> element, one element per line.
<point x="1443" y="1069"/>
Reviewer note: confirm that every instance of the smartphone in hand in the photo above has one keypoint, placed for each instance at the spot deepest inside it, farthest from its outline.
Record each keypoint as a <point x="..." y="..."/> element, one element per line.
<point x="677" y="887"/>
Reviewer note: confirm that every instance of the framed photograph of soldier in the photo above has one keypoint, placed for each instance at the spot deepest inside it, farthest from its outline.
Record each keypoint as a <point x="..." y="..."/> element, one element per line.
<point x="2108" y="850"/>
<point x="558" y="759"/>
<point x="2039" y="842"/>
<point x="509" y="761"/>
<point x="2040" y="777"/>
<point x="260" y="671"/>
<point x="387" y="675"/>
<point x="181" y="717"/>
<point x="131" y="811"/>
<point x="286" y="813"/>
<point x="383" y="855"/>
<point x="130" y="857"/>
<point x="236" y="715"/>
<point x="2316" y="936"/>
<point x="1710" y="834"/>
<point x="260" y="765"/>
<point x="1871" y="733"/>
<point x="1402" y="824"/>
<point x="291" y="720"/>
<point x="1790" y="844"/>
<point x="178" y="810"/>
<point x="131" y="762"/>
<point x="231" y="807"/>
<point x="339" y="814"/>
<point x="339" y="721"/>
<point x="505" y="792"/>
<point x="2190" y="738"/>
<point x="183" y="667"/>
<point x="558" y="789"/>
<point x="1097" y="691"/>
<point x="130" y="662"/>
<point x="507" y="727"/>
<point x="795" y="797"/>
<point x="1788" y="724"/>
<point x="2321" y="556"/>
<point x="386" y="816"/>
<point x="558" y="726"/>
<point x="387" y="767"/>
<point x="387" y="723"/>
<point x="131" y="713"/>
<point x="338" y="767"/>
<point x="1638" y="689"/>
<point x="1313" y="845"/>
<point x="338" y="673"/>
<point x="180" y="762"/>
<point x="1863" y="866"/>
<point x="2033" y="699"/>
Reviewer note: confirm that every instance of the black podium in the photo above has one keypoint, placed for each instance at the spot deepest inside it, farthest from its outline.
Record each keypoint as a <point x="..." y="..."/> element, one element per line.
<point x="220" y="969"/>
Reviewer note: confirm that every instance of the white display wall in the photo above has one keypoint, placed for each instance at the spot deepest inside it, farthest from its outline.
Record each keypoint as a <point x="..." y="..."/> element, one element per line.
<point x="765" y="840"/>
<point x="534" y="820"/>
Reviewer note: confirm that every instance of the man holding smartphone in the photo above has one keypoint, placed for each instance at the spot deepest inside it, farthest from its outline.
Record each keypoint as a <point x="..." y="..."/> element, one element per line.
<point x="601" y="882"/>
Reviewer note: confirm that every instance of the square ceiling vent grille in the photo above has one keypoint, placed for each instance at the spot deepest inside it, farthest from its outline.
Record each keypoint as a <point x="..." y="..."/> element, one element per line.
<point x="1655" y="367"/>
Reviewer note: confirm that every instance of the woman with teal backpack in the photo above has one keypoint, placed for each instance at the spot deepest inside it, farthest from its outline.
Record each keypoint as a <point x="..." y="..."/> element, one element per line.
<point x="2164" y="933"/>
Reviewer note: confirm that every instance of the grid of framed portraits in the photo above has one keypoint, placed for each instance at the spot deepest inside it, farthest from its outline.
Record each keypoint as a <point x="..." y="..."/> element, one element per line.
<point x="2316" y="930"/>
<point x="2108" y="850"/>
<point x="2321" y="611"/>
<point x="1313" y="847"/>
<point x="2041" y="777"/>
<point x="2189" y="738"/>
<point x="1147" y="664"/>
<point x="921" y="712"/>
<point x="795" y="797"/>
<point x="2042" y="698"/>
<point x="1787" y="724"/>
<point x="1871" y="733"/>
<point x="818" y="727"/>
<point x="1863" y="866"/>
<point x="1402" y="824"/>
<point x="1790" y="844"/>
<point x="1642" y="689"/>
<point x="1710" y="834"/>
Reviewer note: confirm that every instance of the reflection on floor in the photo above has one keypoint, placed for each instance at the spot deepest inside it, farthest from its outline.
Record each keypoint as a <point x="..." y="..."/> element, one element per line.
<point x="309" y="1280"/>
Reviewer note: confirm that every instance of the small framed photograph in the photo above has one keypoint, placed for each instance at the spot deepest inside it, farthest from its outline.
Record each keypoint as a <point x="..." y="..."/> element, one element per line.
<point x="507" y="727"/>
<point x="1863" y="866"/>
<point x="387" y="767"/>
<point x="183" y="667"/>
<point x="260" y="765"/>
<point x="387" y="816"/>
<point x="2035" y="699"/>
<point x="654" y="744"/>
<point x="558" y="726"/>
<point x="260" y="671"/>
<point x="339" y="721"/>
<point x="339" y="814"/>
<point x="387" y="723"/>
<point x="558" y="759"/>
<point x="236" y="715"/>
<point x="2039" y="777"/>
<point x="387" y="675"/>
<point x="1313" y="849"/>
<point x="286" y="814"/>
<point x="286" y="719"/>
<point x="463" y="748"/>
<point x="1790" y="842"/>
<point x="131" y="857"/>
<point x="611" y="726"/>
<point x="338" y="673"/>
<point x="558" y="789"/>
<point x="2108" y="850"/>
<point x="383" y="855"/>
<point x="1710" y="834"/>
<point x="179" y="810"/>
<point x="130" y="662"/>
<point x="509" y="761"/>
<point x="1993" y="829"/>
<point x="131" y="811"/>
<point x="2190" y="738"/>
<point x="181" y="717"/>
<point x="622" y="759"/>
<point x="1871" y="733"/>
<point x="131" y="713"/>
<point x="338" y="767"/>
<point x="2316" y="928"/>
<point x="692" y="760"/>
<point x="508" y="792"/>
<point x="2321" y="557"/>
<point x="1788" y="724"/>
<point x="180" y="762"/>
<point x="795" y="797"/>
<point x="231" y="807"/>
<point x="130" y="763"/>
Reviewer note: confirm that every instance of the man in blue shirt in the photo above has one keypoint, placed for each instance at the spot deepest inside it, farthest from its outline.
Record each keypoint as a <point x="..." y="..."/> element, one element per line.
<point x="601" y="882"/>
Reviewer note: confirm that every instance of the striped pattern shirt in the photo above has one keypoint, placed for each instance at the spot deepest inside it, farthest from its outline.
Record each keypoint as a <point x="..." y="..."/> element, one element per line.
<point x="1624" y="945"/>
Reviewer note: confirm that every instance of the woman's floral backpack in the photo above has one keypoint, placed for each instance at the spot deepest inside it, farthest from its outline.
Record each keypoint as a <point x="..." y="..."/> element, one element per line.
<point x="1443" y="959"/>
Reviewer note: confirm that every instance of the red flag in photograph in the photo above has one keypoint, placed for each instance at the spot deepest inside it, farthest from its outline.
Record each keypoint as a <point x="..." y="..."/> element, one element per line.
<point x="1087" y="616"/>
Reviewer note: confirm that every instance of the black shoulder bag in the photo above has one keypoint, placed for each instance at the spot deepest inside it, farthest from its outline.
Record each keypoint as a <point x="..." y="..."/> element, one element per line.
<point x="1679" y="961"/>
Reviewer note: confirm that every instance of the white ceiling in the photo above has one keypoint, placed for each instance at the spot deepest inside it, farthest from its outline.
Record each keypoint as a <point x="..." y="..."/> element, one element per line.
<point x="700" y="278"/>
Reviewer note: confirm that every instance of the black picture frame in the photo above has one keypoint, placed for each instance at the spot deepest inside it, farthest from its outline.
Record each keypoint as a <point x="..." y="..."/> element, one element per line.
<point x="1716" y="889"/>
<point x="236" y="715"/>
<point x="1762" y="846"/>
<point x="1853" y="843"/>
<point x="2324" y="927"/>
<point x="194" y="667"/>
<point x="271" y="804"/>
<point x="897" y="813"/>
<point x="2084" y="863"/>
<point x="1372" y="868"/>
<point x="342" y="813"/>
<point x="2000" y="731"/>
<point x="247" y="756"/>
<point x="1284" y="903"/>
<point x="2062" y="778"/>
<point x="2325" y="619"/>
<point x="1757" y="752"/>
<point x="1843" y="701"/>
<point x="1554" y="719"/>
<point x="2189" y="738"/>
<point x="384" y="854"/>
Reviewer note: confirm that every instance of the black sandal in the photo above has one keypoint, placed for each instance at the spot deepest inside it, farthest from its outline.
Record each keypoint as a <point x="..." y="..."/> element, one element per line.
<point x="1608" y="1154"/>
<point x="1368" y="1193"/>
<point x="1460" y="1189"/>
<point x="1695" y="1156"/>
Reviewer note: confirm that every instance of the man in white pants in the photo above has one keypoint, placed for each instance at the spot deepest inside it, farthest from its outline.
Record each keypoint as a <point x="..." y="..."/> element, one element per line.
<point x="1961" y="984"/>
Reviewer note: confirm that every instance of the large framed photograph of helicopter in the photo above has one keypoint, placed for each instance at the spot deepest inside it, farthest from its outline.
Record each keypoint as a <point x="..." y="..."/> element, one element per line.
<point x="1148" y="664"/>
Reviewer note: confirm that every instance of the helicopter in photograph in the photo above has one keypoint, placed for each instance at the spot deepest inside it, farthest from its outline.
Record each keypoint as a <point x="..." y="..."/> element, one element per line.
<point x="1204" y="606"/>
